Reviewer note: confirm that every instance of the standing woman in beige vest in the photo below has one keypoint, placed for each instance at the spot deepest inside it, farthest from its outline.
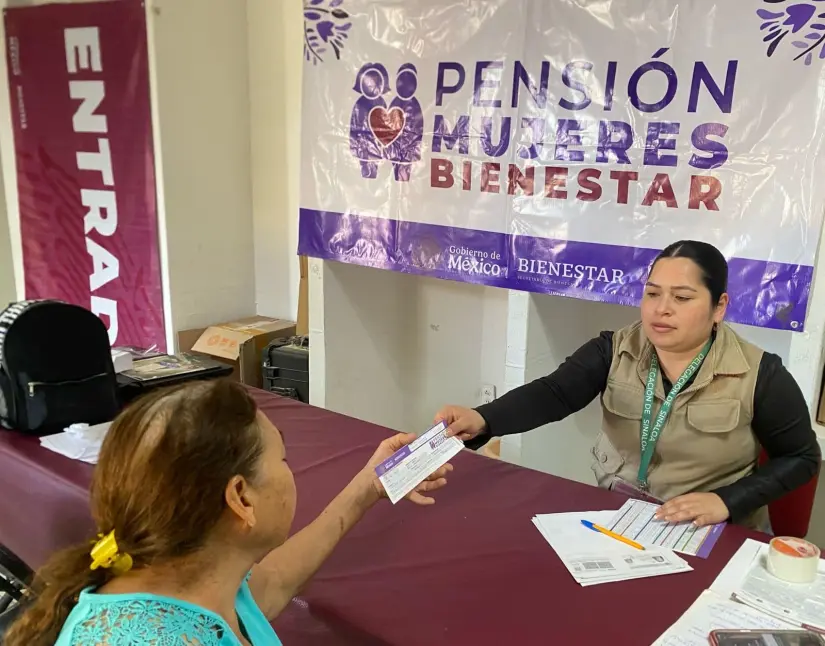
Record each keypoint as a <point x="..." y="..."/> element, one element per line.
<point x="687" y="403"/>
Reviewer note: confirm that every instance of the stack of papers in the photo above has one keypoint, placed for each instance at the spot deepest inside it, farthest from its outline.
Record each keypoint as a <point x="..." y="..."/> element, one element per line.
<point x="636" y="521"/>
<point x="746" y="579"/>
<point x="713" y="612"/>
<point x="745" y="596"/>
<point x="78" y="441"/>
<point x="594" y="558"/>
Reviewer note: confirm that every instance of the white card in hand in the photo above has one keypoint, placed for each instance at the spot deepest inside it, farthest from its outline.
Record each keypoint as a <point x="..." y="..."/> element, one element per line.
<point x="410" y="466"/>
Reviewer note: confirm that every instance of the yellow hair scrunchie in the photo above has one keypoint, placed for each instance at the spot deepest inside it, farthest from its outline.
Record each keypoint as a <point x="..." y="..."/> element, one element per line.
<point x="105" y="554"/>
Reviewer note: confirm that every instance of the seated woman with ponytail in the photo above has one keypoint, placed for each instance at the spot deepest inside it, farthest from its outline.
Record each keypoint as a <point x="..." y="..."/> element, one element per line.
<point x="193" y="500"/>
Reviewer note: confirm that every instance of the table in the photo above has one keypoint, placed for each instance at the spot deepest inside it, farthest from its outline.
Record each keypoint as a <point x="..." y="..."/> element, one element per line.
<point x="470" y="571"/>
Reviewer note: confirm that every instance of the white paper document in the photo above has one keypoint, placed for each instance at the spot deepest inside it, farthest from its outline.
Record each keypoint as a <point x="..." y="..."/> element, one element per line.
<point x="411" y="465"/>
<point x="712" y="612"/>
<point x="636" y="520"/>
<point x="78" y="442"/>
<point x="593" y="558"/>
<point x="745" y="578"/>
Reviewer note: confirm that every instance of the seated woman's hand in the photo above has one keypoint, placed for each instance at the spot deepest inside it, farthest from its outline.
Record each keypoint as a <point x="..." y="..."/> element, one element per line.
<point x="386" y="449"/>
<point x="700" y="508"/>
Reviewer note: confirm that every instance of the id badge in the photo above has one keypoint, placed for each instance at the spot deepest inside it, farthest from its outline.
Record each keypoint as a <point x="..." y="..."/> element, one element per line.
<point x="619" y="485"/>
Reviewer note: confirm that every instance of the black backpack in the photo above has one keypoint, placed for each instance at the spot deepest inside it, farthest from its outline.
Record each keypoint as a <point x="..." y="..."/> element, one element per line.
<point x="55" y="367"/>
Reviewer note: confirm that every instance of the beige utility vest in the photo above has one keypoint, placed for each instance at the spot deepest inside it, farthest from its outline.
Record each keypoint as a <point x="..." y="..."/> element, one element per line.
<point x="707" y="441"/>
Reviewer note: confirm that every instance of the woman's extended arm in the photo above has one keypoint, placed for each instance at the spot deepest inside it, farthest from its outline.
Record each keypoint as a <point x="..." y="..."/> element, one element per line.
<point x="567" y="390"/>
<point x="282" y="574"/>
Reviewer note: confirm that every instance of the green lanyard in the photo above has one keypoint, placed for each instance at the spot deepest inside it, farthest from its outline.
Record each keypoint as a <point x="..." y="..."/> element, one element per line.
<point x="650" y="434"/>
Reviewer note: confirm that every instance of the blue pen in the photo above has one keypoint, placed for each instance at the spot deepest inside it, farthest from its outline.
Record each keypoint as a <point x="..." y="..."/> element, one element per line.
<point x="607" y="532"/>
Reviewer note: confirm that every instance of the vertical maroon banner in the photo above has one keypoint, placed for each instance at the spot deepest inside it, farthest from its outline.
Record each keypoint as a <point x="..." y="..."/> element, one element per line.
<point x="79" y="84"/>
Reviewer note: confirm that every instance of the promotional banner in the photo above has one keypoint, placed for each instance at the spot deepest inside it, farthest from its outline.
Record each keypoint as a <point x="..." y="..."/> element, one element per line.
<point x="79" y="84"/>
<point x="557" y="147"/>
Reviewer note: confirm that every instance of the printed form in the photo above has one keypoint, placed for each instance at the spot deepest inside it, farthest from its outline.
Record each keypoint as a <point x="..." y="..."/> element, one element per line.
<point x="410" y="466"/>
<point x="745" y="578"/>
<point x="593" y="558"/>
<point x="712" y="612"/>
<point x="635" y="520"/>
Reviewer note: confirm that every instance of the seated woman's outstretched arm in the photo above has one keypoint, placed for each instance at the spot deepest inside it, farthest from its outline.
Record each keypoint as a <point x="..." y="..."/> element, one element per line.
<point x="282" y="574"/>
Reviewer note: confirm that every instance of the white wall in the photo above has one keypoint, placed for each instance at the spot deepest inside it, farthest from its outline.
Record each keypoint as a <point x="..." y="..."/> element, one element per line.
<point x="275" y="70"/>
<point x="394" y="347"/>
<point x="200" y="63"/>
<point x="8" y="291"/>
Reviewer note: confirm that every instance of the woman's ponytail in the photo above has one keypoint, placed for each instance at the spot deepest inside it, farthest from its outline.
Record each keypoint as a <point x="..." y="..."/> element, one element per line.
<point x="54" y="593"/>
<point x="158" y="492"/>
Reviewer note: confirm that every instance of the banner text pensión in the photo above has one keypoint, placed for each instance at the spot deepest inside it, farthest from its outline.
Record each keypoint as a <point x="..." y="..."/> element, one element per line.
<point x="545" y="145"/>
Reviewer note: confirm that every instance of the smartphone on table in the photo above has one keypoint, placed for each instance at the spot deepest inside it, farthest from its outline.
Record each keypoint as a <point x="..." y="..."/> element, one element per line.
<point x="765" y="638"/>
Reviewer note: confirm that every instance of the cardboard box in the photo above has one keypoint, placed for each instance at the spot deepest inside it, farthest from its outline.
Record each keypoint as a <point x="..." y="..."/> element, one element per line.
<point x="238" y="343"/>
<point x="302" y="327"/>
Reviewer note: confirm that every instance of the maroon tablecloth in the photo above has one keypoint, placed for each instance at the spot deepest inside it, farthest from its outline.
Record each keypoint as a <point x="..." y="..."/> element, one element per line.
<point x="472" y="570"/>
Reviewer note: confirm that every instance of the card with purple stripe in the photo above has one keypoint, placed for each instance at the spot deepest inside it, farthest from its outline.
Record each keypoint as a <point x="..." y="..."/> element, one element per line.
<point x="410" y="466"/>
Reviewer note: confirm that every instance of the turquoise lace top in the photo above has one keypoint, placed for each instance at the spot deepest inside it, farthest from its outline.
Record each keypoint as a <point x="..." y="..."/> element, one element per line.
<point x="150" y="620"/>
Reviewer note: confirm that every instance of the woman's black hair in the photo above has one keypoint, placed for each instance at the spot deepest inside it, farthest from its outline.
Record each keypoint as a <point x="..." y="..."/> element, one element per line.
<point x="711" y="263"/>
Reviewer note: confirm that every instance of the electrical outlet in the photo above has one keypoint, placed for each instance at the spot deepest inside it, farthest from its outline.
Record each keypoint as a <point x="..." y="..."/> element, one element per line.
<point x="488" y="393"/>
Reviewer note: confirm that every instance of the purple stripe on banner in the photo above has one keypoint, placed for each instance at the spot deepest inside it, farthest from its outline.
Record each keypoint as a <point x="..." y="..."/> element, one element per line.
<point x="763" y="293"/>
<point x="710" y="540"/>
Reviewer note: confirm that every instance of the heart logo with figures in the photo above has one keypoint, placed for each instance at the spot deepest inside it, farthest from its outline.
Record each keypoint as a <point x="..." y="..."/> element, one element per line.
<point x="386" y="125"/>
